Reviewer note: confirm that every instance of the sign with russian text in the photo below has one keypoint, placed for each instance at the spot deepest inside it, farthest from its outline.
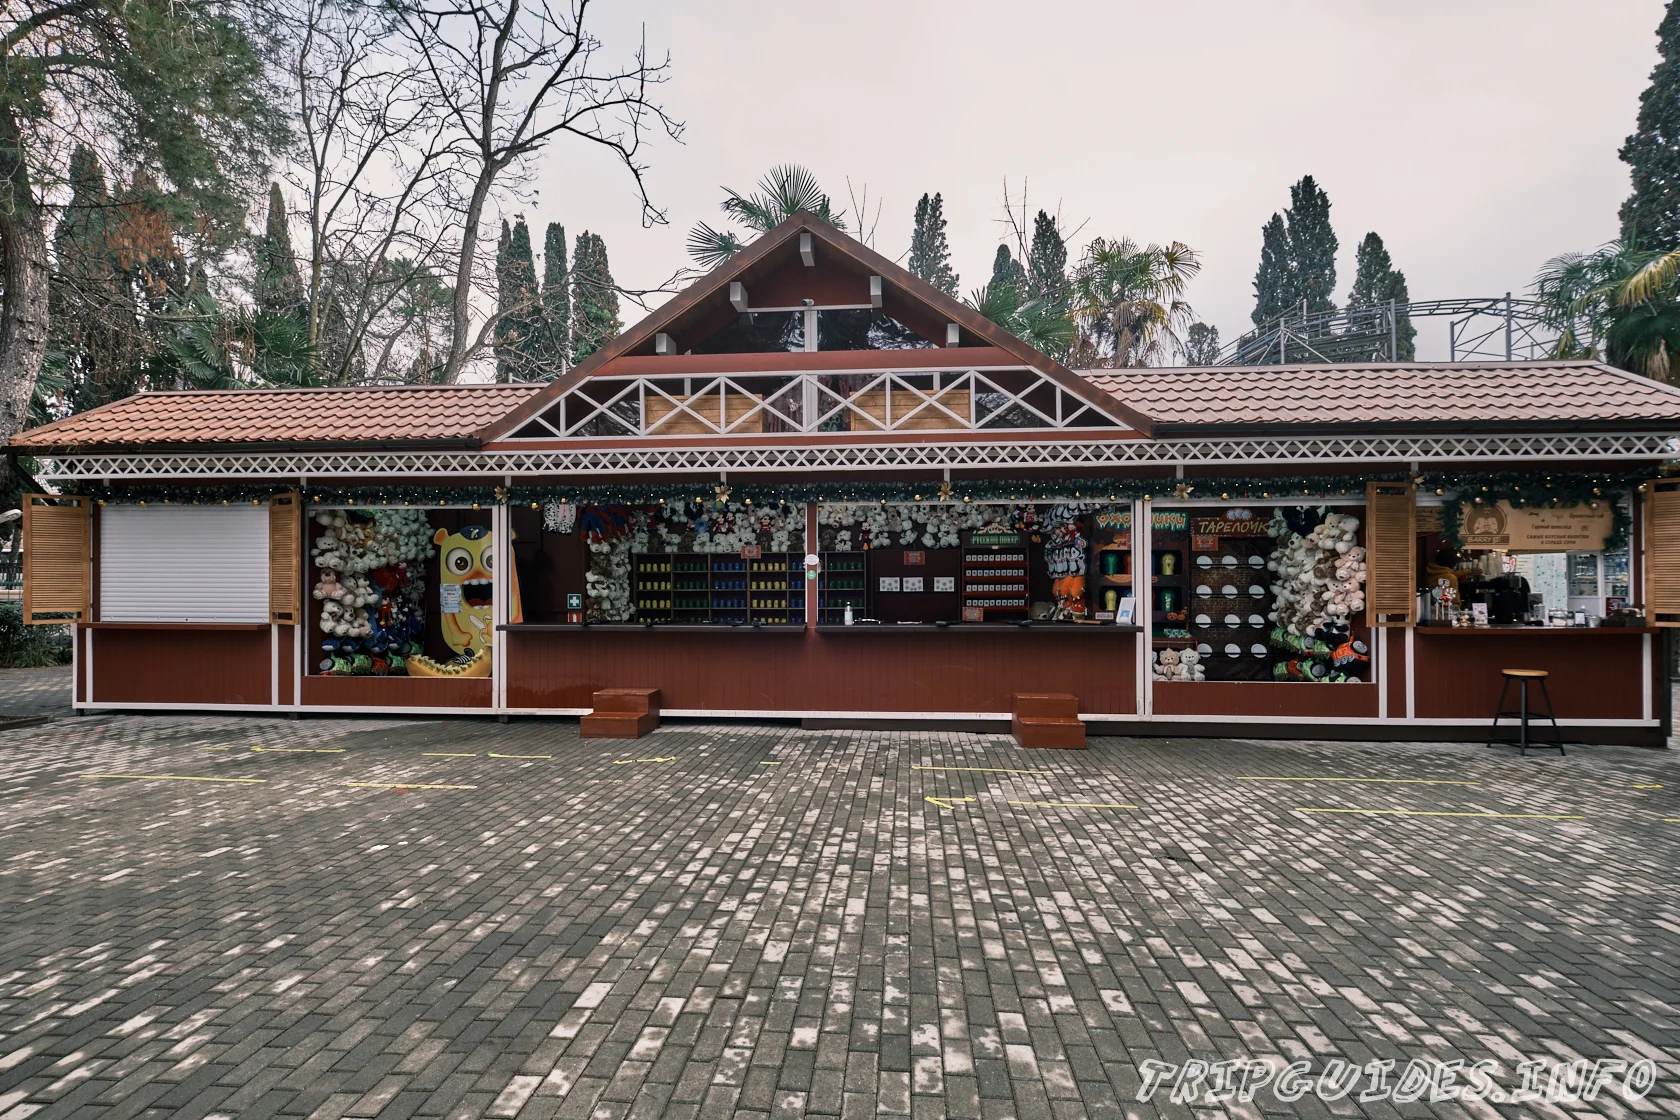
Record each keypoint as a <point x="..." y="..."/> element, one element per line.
<point x="1579" y="528"/>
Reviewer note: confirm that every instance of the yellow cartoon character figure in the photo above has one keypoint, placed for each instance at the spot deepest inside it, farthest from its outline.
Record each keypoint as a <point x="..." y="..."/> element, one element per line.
<point x="466" y="603"/>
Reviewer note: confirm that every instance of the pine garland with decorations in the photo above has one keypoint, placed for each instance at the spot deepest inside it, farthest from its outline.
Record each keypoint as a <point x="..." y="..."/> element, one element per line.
<point x="1519" y="488"/>
<point x="1534" y="489"/>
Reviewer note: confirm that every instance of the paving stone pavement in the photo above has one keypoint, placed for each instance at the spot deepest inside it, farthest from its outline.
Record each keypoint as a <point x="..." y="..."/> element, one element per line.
<point x="392" y="918"/>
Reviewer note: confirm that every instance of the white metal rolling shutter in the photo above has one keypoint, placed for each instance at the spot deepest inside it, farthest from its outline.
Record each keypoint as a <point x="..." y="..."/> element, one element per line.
<point x="183" y="564"/>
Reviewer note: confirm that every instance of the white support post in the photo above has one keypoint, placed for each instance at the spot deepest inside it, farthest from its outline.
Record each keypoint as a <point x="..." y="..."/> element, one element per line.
<point x="501" y="525"/>
<point x="1143" y="608"/>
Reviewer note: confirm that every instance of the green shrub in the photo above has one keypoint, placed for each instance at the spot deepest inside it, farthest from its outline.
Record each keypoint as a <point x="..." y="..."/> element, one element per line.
<point x="29" y="647"/>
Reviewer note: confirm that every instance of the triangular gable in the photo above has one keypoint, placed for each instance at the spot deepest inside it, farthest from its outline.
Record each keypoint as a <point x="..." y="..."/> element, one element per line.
<point x="906" y="296"/>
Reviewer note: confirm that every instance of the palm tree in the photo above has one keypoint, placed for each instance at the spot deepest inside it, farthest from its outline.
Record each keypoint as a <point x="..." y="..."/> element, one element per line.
<point x="1621" y="299"/>
<point x="216" y="348"/>
<point x="782" y="192"/>
<point x="1128" y="302"/>
<point x="1033" y="321"/>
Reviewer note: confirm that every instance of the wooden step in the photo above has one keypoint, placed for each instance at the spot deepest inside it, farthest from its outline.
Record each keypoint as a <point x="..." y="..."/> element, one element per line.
<point x="1048" y="731"/>
<point x="1045" y="704"/>
<point x="617" y="725"/>
<point x="627" y="701"/>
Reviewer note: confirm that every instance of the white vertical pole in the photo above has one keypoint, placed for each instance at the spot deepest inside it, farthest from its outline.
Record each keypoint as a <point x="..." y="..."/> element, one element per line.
<point x="274" y="664"/>
<point x="1411" y="672"/>
<point x="501" y="525"/>
<point x="1144" y="610"/>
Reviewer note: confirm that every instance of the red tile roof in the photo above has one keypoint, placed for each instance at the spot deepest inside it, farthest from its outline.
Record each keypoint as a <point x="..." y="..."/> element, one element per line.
<point x="1437" y="395"/>
<point x="390" y="414"/>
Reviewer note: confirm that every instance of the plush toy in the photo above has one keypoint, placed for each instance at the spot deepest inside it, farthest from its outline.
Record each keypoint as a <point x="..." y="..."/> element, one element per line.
<point x="1166" y="665"/>
<point x="1190" y="666"/>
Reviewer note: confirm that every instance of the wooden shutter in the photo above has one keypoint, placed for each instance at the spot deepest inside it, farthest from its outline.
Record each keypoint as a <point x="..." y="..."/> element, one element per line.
<point x="57" y="559"/>
<point x="1390" y="554"/>
<point x="1662" y="551"/>
<point x="285" y="557"/>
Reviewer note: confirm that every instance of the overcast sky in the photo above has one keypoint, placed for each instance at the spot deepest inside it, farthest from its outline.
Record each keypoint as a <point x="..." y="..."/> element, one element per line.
<point x="1478" y="137"/>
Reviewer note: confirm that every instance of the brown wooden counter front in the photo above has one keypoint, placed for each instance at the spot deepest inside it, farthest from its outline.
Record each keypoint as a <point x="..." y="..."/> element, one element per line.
<point x="867" y="669"/>
<point x="1595" y="672"/>
<point x="182" y="663"/>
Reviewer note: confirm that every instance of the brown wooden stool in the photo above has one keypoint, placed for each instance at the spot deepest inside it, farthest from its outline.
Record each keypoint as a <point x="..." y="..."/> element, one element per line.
<point x="1522" y="677"/>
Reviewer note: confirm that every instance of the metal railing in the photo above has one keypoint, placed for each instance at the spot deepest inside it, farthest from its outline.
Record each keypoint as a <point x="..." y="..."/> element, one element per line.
<point x="1481" y="329"/>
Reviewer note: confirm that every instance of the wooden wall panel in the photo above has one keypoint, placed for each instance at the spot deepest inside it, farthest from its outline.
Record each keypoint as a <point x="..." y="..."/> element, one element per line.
<point x="178" y="666"/>
<point x="288" y="660"/>
<point x="1396" y="654"/>
<point x="1595" y="674"/>
<point x="796" y="671"/>
<point x="399" y="692"/>
<point x="1265" y="698"/>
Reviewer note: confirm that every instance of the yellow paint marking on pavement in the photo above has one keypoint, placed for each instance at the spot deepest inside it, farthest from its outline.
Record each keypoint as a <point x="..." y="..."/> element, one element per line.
<point x="947" y="802"/>
<point x="1438" y="813"/>
<point x="623" y="761"/>
<point x="1391" y="781"/>
<point x="1658" y="786"/>
<point x="170" y="778"/>
<point x="1075" y="804"/>
<point x="448" y="754"/>
<point x="986" y="769"/>
<point x="1671" y="820"/>
<point x="493" y="754"/>
<point x="299" y="750"/>
<point x="402" y="785"/>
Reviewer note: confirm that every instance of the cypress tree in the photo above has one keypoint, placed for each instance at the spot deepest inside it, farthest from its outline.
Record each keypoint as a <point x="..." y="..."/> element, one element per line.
<point x="556" y="303"/>
<point x="1375" y="284"/>
<point x="91" y="321"/>
<point x="279" y="287"/>
<point x="1007" y="271"/>
<point x="517" y="345"/>
<point x="594" y="297"/>
<point x="1201" y="345"/>
<point x="1275" y="290"/>
<point x="1651" y="215"/>
<point x="1047" y="265"/>
<point x="1312" y="245"/>
<point x="930" y="249"/>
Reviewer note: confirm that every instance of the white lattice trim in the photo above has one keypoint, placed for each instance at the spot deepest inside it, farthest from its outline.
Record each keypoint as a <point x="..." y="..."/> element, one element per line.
<point x="993" y="456"/>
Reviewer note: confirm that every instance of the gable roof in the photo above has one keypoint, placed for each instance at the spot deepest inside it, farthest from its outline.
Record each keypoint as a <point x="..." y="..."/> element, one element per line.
<point x="420" y="415"/>
<point x="782" y="241"/>
<point x="1352" y="396"/>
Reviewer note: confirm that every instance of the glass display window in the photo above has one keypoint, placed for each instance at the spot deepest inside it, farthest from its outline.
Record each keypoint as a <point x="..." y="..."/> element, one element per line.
<point x="402" y="592"/>
<point x="1258" y="593"/>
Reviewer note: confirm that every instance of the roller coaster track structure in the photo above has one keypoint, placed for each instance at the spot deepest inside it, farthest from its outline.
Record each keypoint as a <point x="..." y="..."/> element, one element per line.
<point x="1484" y="329"/>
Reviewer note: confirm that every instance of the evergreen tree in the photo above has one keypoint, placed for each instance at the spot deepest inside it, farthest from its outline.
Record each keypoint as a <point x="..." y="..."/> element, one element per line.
<point x="1374" y="285"/>
<point x="1047" y="277"/>
<point x="279" y="287"/>
<point x="594" y="297"/>
<point x="1312" y="245"/>
<point x="1007" y="272"/>
<point x="91" y="324"/>
<point x="556" y="303"/>
<point x="1201" y="345"/>
<point x="1275" y="290"/>
<point x="1651" y="215"/>
<point x="517" y="345"/>
<point x="930" y="249"/>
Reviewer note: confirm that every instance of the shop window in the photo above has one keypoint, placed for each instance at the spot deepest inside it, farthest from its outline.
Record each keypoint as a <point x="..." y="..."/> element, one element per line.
<point x="865" y="329"/>
<point x="1258" y="594"/>
<point x="758" y="332"/>
<point x="403" y="592"/>
<point x="172" y="564"/>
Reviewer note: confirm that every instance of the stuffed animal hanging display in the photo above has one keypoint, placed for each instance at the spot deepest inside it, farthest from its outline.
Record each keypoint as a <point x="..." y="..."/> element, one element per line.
<point x="369" y="587"/>
<point x="1319" y="587"/>
<point x="1066" y="555"/>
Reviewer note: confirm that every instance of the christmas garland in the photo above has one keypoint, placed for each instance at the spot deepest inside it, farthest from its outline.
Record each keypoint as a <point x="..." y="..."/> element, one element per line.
<point x="1518" y="488"/>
